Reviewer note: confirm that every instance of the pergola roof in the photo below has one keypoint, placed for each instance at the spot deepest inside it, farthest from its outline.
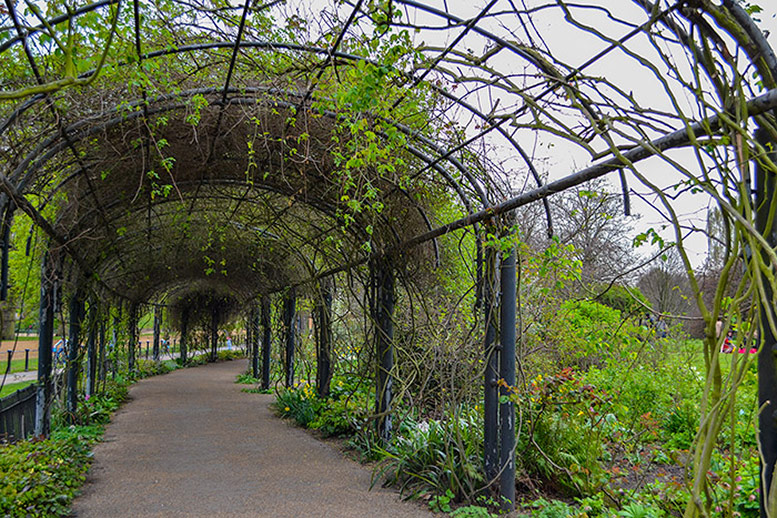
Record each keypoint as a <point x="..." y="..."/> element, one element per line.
<point x="248" y="148"/>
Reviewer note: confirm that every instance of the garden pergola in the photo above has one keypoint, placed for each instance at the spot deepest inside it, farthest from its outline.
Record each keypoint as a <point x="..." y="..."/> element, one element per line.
<point x="207" y="155"/>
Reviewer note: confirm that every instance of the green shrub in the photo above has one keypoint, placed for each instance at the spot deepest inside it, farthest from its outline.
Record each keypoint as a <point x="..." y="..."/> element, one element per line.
<point x="148" y="368"/>
<point x="680" y="424"/>
<point x="247" y="379"/>
<point x="340" y="417"/>
<point x="561" y="438"/>
<point x="367" y="444"/>
<point x="582" y="333"/>
<point x="554" y="509"/>
<point x="437" y="456"/>
<point x="627" y="300"/>
<point x="472" y="511"/>
<point x="300" y="404"/>
<point x="441" y="503"/>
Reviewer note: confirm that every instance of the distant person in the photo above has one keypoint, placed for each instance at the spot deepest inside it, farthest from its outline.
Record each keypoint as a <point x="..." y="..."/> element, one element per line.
<point x="662" y="328"/>
<point x="727" y="346"/>
<point x="229" y="343"/>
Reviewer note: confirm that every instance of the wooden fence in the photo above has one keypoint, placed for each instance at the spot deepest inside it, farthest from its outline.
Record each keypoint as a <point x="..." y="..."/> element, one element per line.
<point x="17" y="414"/>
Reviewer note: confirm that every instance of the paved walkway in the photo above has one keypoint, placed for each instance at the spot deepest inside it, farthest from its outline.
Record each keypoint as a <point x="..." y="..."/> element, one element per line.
<point x="18" y="377"/>
<point x="190" y="443"/>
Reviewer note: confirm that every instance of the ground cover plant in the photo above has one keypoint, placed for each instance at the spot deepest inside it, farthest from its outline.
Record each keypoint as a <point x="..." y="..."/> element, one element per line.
<point x="41" y="477"/>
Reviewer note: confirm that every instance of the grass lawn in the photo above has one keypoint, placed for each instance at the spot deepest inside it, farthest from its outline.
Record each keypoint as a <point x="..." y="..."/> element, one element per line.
<point x="9" y="388"/>
<point x="18" y="365"/>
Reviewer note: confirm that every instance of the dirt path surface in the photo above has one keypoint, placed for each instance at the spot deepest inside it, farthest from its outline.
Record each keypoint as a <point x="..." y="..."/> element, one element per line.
<point x="190" y="443"/>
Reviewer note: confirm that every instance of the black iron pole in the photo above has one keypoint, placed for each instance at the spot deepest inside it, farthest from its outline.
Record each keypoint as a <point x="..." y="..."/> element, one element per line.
<point x="73" y="364"/>
<point x="101" y="353"/>
<point x="266" y="342"/>
<point x="184" y="329"/>
<point x="507" y="374"/>
<point x="7" y="221"/>
<point x="253" y="332"/>
<point x="91" y="358"/>
<point x="26" y="359"/>
<point x="214" y="333"/>
<point x="324" y="333"/>
<point x="157" y="327"/>
<point x="766" y="184"/>
<point x="45" y="344"/>
<point x="289" y="309"/>
<point x="491" y="374"/>
<point x="384" y="340"/>
<point x="114" y="353"/>
<point x="133" y="338"/>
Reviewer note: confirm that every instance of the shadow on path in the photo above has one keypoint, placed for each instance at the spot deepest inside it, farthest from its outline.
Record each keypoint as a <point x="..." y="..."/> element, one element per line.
<point x="190" y="443"/>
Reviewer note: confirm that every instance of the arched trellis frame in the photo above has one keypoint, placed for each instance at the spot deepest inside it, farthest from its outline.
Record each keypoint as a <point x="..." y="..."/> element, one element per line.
<point x="225" y="57"/>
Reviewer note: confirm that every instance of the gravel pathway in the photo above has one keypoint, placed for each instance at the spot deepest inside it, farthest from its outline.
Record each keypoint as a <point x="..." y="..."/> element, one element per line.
<point x="190" y="443"/>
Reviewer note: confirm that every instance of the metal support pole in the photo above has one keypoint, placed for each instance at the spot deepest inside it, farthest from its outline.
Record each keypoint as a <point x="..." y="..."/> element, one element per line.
<point x="491" y="374"/>
<point x="157" y="326"/>
<point x="73" y="364"/>
<point x="133" y="338"/>
<point x="184" y="331"/>
<point x="26" y="360"/>
<point x="766" y="184"/>
<point x="91" y="354"/>
<point x="253" y="328"/>
<point x="114" y="353"/>
<point x="507" y="374"/>
<point x="148" y="346"/>
<point x="214" y="334"/>
<point x="289" y="309"/>
<point x="48" y="291"/>
<point x="101" y="353"/>
<point x="383" y="275"/>
<point x="324" y="334"/>
<point x="266" y="342"/>
<point x="7" y="222"/>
